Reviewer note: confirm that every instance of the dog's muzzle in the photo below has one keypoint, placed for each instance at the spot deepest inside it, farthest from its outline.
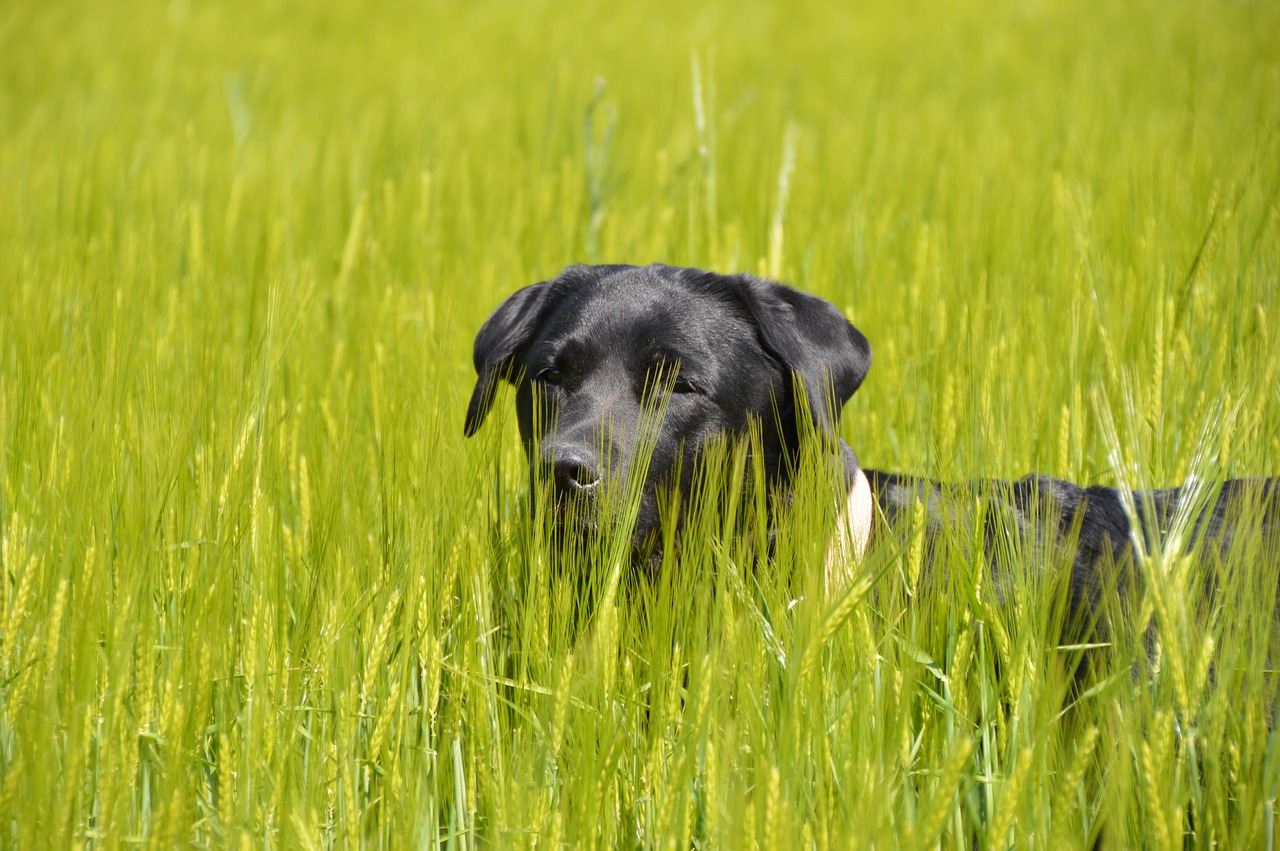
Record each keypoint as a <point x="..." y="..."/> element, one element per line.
<point x="573" y="476"/>
<point x="574" y="471"/>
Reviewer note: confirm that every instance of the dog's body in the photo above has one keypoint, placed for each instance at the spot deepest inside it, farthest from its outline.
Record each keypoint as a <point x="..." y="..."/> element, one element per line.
<point x="589" y="350"/>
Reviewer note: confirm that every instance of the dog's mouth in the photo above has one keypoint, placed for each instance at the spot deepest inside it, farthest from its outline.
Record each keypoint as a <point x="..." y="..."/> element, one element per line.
<point x="577" y="518"/>
<point x="588" y="525"/>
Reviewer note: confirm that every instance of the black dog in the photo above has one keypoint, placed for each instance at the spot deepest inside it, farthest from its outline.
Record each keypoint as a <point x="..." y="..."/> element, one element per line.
<point x="588" y="350"/>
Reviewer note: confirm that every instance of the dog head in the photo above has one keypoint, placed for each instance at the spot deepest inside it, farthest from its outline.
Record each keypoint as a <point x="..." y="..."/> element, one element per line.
<point x="595" y="350"/>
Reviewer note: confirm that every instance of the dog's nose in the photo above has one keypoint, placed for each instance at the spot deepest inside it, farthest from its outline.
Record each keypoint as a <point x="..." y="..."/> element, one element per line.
<point x="576" y="470"/>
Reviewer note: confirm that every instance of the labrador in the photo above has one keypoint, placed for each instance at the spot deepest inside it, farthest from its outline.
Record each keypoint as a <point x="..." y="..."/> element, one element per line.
<point x="590" y="349"/>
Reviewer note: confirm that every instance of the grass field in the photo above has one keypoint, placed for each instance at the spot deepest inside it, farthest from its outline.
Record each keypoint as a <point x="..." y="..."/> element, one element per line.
<point x="259" y="592"/>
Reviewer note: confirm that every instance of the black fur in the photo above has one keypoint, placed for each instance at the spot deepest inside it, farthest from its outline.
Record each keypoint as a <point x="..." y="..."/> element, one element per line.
<point x="585" y="350"/>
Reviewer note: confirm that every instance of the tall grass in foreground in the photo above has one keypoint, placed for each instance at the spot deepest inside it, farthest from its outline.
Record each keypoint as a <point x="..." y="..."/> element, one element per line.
<point x="257" y="591"/>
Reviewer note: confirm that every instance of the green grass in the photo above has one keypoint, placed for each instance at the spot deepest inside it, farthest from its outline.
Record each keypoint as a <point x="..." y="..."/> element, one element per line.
<point x="258" y="591"/>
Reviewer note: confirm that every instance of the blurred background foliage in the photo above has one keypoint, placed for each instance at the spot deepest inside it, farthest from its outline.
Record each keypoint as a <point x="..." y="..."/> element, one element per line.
<point x="244" y="250"/>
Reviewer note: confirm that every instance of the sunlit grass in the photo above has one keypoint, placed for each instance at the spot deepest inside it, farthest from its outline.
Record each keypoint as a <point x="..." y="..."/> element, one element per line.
<point x="259" y="591"/>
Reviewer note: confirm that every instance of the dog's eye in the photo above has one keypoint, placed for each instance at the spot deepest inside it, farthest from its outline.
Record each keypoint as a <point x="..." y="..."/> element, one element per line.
<point x="550" y="375"/>
<point x="682" y="385"/>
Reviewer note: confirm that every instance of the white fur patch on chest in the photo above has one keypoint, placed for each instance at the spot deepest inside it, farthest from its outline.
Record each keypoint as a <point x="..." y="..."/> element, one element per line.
<point x="853" y="531"/>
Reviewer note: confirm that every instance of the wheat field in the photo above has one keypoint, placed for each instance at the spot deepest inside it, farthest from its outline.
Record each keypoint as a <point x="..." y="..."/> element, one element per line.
<point x="258" y="591"/>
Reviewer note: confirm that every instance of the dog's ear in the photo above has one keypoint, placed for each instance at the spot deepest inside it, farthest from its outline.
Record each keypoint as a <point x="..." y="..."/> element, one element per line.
<point x="816" y="343"/>
<point x="501" y="336"/>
